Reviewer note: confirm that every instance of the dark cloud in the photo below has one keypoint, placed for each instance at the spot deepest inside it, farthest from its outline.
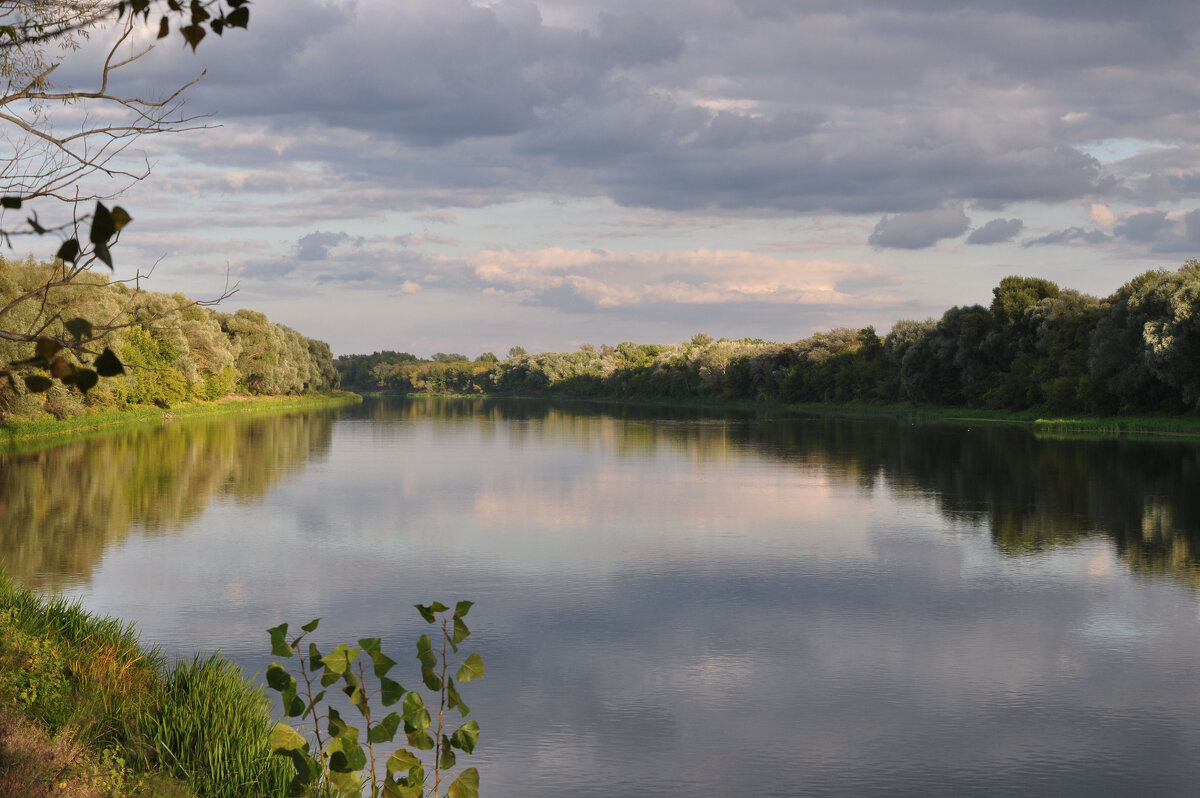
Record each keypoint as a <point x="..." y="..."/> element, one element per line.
<point x="1144" y="227"/>
<point x="919" y="230"/>
<point x="996" y="231"/>
<point x="862" y="108"/>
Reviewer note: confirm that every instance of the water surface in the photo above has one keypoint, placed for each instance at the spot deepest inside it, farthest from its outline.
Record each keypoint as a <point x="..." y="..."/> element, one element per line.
<point x="678" y="604"/>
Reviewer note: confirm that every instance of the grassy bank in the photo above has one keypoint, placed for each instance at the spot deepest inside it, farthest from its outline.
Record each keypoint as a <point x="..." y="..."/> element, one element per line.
<point x="1038" y="421"/>
<point x="17" y="434"/>
<point x="86" y="710"/>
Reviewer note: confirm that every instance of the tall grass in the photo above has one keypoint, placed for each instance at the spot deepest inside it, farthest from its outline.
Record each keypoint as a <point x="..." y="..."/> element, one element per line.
<point x="210" y="728"/>
<point x="199" y="721"/>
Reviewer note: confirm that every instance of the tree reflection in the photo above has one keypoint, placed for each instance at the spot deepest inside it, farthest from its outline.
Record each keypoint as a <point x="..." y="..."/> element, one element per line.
<point x="1029" y="492"/>
<point x="60" y="508"/>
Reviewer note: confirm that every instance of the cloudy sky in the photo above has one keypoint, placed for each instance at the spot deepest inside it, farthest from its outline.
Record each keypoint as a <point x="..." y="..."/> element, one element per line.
<point x="447" y="175"/>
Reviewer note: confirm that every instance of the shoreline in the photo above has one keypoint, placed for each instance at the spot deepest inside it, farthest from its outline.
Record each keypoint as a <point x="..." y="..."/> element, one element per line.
<point x="1040" y="422"/>
<point x="24" y="434"/>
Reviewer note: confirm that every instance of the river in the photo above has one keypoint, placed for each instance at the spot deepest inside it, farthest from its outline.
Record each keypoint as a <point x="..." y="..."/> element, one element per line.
<point x="678" y="603"/>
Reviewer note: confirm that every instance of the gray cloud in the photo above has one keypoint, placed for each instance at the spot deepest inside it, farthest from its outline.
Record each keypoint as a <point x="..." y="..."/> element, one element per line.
<point x="919" y="230"/>
<point x="996" y="231"/>
<point x="1147" y="226"/>
<point x="729" y="106"/>
<point x="316" y="245"/>
<point x="1072" y="235"/>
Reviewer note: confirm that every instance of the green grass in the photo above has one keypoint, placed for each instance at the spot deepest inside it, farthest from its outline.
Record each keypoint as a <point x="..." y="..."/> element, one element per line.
<point x="18" y="435"/>
<point x="1066" y="427"/>
<point x="210" y="728"/>
<point x="197" y="728"/>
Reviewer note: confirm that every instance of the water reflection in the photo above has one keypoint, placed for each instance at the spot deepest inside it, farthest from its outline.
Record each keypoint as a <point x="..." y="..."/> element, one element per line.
<point x="61" y="508"/>
<point x="689" y="603"/>
<point x="1029" y="493"/>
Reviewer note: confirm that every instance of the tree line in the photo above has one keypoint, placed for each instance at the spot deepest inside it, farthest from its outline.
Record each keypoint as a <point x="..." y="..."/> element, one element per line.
<point x="173" y="348"/>
<point x="1036" y="346"/>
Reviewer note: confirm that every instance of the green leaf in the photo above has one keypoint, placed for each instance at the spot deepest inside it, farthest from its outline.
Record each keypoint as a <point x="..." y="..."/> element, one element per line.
<point x="454" y="700"/>
<point x="348" y="784"/>
<point x="338" y="661"/>
<point x="428" y="612"/>
<point x="462" y="608"/>
<point x="109" y="365"/>
<point x="69" y="251"/>
<point x="447" y="759"/>
<point x="293" y="705"/>
<point x="312" y="707"/>
<point x="285" y="738"/>
<point x="37" y="383"/>
<point x="279" y="644"/>
<point x="278" y="678"/>
<point x="350" y="760"/>
<point x="466" y="785"/>
<point x="103" y="225"/>
<point x="103" y="254"/>
<point x="192" y="34"/>
<point x="461" y="632"/>
<point x="382" y="662"/>
<point x="311" y="626"/>
<point x="354" y="692"/>
<point x="471" y="669"/>
<point x="402" y="760"/>
<point x="307" y="770"/>
<point x="120" y="218"/>
<point x="425" y="652"/>
<point x="84" y="379"/>
<point x="385" y="730"/>
<point x="337" y="727"/>
<point x="419" y="739"/>
<point x="79" y="328"/>
<point x="10" y="202"/>
<point x="416" y="716"/>
<point x="314" y="658"/>
<point x="238" y="18"/>
<point x="393" y="790"/>
<point x="389" y="691"/>
<point x="466" y="737"/>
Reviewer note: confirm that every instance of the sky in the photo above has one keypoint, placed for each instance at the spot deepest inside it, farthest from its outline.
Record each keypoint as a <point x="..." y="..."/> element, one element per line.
<point x="454" y="176"/>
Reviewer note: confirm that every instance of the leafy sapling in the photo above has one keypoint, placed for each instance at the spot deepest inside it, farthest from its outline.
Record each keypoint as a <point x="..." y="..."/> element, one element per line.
<point x="341" y="764"/>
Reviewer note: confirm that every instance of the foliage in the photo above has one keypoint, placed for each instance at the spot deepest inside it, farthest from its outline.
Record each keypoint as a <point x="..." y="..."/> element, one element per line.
<point x="341" y="764"/>
<point x="74" y="673"/>
<point x="167" y="348"/>
<point x="1036" y="346"/>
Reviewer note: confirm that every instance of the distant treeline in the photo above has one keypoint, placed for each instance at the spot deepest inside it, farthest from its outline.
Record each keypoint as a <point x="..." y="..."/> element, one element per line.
<point x="1036" y="346"/>
<point x="173" y="349"/>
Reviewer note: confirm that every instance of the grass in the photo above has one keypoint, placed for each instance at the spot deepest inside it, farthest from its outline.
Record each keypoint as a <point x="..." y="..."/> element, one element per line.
<point x="18" y="435"/>
<point x="1068" y="427"/>
<point x="86" y="709"/>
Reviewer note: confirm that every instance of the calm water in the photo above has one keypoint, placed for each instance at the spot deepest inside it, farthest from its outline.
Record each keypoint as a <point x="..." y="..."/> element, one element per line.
<point x="679" y="604"/>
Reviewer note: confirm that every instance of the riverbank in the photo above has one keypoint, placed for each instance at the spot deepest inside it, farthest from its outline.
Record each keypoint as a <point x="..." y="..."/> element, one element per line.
<point x="22" y="434"/>
<point x="1039" y="422"/>
<point x="87" y="711"/>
